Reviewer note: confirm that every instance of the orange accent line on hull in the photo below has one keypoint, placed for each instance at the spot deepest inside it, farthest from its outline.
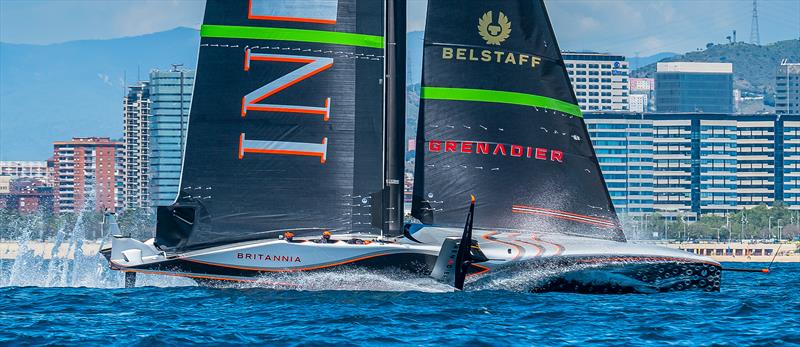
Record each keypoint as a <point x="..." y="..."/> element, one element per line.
<point x="288" y="270"/>
<point x="518" y="248"/>
<point x="483" y="270"/>
<point x="539" y="248"/>
<point x="559" y="248"/>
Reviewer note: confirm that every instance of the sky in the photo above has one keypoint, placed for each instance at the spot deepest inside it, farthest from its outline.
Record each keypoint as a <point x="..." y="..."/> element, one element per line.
<point x="628" y="27"/>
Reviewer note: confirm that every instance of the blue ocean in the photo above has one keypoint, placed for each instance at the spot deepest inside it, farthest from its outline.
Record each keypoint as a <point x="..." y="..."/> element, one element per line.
<point x="82" y="303"/>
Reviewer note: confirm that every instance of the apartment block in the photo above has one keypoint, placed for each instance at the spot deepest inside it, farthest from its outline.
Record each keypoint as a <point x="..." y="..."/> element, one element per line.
<point x="673" y="188"/>
<point x="701" y="163"/>
<point x="787" y="88"/>
<point x="789" y="170"/>
<point x="600" y="80"/>
<point x="717" y="150"/>
<point x="26" y="195"/>
<point x="638" y="103"/>
<point x="756" y="159"/>
<point x="136" y="142"/>
<point x="40" y="170"/>
<point x="641" y="95"/>
<point x="88" y="170"/>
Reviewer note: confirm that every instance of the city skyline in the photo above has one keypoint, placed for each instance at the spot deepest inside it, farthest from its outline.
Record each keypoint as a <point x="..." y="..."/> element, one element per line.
<point x="601" y="83"/>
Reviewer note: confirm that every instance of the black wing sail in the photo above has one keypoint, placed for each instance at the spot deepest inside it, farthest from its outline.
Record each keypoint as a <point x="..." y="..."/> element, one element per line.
<point x="286" y="123"/>
<point x="498" y="119"/>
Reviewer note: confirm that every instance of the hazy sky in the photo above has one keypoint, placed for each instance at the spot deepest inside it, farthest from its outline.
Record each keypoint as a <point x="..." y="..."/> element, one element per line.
<point x="618" y="26"/>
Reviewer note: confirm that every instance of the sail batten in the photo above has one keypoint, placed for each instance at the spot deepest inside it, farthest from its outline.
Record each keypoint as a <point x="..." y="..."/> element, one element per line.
<point x="498" y="120"/>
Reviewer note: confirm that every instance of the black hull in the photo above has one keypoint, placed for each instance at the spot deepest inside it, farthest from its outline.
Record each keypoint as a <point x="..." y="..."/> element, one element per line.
<point x="630" y="277"/>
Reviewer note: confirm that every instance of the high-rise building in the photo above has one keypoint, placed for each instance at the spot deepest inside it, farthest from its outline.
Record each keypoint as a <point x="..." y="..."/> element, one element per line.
<point x="624" y="146"/>
<point x="170" y="96"/>
<point x="136" y="140"/>
<point x="638" y="103"/>
<point x="600" y="80"/>
<point x="789" y="170"/>
<point x="694" y="87"/>
<point x="40" y="170"/>
<point x="701" y="163"/>
<point x="642" y="85"/>
<point x="755" y="162"/>
<point x="672" y="166"/>
<point x="787" y="88"/>
<point x="715" y="170"/>
<point x="642" y="91"/>
<point x="88" y="169"/>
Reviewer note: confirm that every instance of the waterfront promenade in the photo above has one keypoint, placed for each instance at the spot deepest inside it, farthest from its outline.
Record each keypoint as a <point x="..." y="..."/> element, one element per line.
<point x="741" y="252"/>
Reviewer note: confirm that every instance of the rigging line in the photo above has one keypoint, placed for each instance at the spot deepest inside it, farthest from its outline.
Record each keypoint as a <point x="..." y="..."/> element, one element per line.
<point x="774" y="255"/>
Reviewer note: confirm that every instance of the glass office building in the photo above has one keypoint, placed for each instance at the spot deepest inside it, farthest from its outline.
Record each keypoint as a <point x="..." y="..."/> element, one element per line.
<point x="624" y="147"/>
<point x="694" y="87"/>
<point x="170" y="95"/>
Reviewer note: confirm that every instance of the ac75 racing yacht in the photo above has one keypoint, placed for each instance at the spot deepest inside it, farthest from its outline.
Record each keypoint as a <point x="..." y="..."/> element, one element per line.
<point x="297" y="125"/>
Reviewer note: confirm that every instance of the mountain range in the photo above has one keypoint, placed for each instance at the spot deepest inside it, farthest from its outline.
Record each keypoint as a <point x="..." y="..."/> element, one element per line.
<point x="59" y="91"/>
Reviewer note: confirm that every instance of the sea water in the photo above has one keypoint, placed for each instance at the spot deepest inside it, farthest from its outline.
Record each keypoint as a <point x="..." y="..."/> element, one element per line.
<point x="80" y="302"/>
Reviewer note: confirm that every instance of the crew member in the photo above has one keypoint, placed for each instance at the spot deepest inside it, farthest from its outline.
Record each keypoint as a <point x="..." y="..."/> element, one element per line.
<point x="356" y="242"/>
<point x="326" y="238"/>
<point x="288" y="236"/>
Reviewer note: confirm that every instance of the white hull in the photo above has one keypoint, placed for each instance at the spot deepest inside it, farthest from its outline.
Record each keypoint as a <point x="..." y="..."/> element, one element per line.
<point x="573" y="262"/>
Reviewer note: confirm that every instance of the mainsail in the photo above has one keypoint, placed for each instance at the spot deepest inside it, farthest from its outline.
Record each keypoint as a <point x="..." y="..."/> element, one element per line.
<point x="498" y="119"/>
<point x="286" y="123"/>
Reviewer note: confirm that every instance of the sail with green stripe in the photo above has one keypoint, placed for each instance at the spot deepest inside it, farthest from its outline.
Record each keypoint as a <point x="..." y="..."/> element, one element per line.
<point x="499" y="120"/>
<point x="286" y="124"/>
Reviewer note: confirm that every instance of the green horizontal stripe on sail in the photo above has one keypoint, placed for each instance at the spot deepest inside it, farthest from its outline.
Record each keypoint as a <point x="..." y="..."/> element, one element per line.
<point x="284" y="34"/>
<point x="483" y="95"/>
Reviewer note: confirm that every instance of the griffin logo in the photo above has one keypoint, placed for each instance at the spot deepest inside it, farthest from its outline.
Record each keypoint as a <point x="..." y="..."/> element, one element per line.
<point x="491" y="33"/>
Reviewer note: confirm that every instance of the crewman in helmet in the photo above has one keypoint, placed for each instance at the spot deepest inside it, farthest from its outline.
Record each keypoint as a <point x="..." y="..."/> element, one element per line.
<point x="326" y="238"/>
<point x="356" y="242"/>
<point x="288" y="236"/>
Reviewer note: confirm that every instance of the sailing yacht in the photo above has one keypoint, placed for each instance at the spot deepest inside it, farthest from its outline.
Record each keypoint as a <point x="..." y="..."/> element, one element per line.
<point x="297" y="125"/>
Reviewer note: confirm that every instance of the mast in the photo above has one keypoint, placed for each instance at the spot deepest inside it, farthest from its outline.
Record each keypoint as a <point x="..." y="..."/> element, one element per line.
<point x="394" y="140"/>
